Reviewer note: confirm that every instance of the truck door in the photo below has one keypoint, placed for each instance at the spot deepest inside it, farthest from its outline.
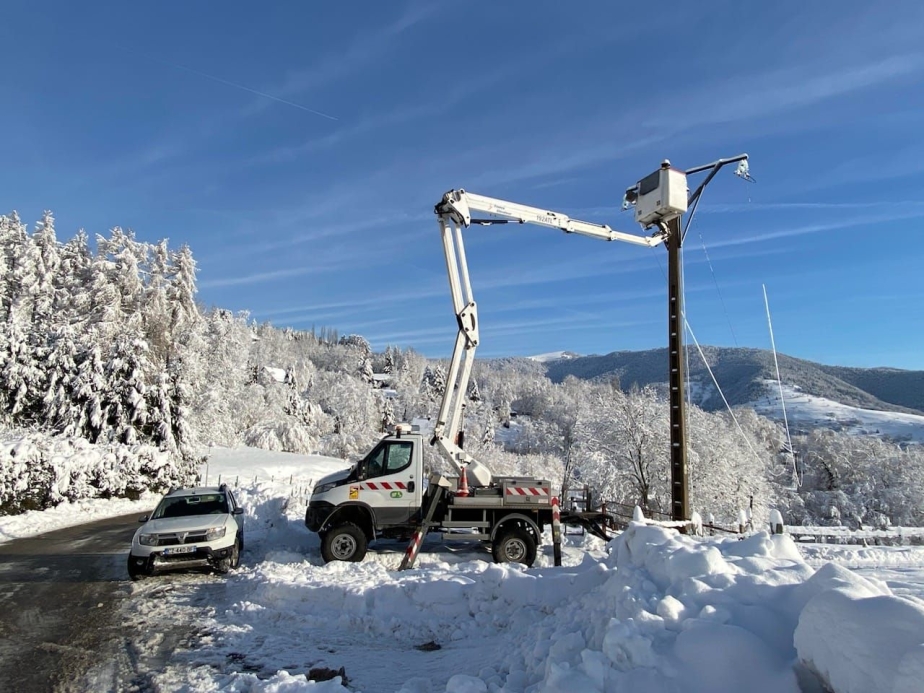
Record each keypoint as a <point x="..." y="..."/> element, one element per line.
<point x="391" y="486"/>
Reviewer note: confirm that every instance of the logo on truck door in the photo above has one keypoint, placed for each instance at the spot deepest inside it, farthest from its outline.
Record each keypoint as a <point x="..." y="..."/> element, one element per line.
<point x="354" y="492"/>
<point x="396" y="494"/>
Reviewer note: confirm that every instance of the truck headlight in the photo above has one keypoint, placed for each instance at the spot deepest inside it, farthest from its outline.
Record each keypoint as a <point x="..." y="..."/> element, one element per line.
<point x="147" y="539"/>
<point x="215" y="533"/>
<point x="324" y="488"/>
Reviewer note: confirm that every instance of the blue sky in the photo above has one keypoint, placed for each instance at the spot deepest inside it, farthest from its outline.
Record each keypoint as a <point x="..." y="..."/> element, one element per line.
<point x="299" y="148"/>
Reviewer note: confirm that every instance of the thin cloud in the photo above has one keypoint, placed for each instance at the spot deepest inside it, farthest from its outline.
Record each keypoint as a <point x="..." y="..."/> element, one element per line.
<point x="741" y="98"/>
<point x="815" y="228"/>
<point x="737" y="208"/>
<point x="450" y="96"/>
<point x="365" y="49"/>
<point x="229" y="83"/>
<point x="750" y="97"/>
<point x="263" y="277"/>
<point x="322" y="231"/>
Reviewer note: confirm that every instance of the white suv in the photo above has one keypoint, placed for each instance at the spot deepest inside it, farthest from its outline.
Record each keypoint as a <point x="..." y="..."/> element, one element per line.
<point x="189" y="528"/>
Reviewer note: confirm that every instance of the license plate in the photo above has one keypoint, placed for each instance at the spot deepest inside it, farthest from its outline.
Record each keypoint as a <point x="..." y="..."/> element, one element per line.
<point x="179" y="549"/>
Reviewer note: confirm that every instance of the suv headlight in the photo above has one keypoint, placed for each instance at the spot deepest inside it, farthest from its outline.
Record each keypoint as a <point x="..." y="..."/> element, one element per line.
<point x="147" y="539"/>
<point x="324" y="488"/>
<point x="215" y="533"/>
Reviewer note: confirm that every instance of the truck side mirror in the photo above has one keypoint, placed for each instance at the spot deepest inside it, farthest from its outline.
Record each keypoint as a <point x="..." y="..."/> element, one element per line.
<point x="361" y="471"/>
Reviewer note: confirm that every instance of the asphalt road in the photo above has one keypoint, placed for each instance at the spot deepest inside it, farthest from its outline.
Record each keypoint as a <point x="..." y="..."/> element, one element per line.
<point x="60" y="605"/>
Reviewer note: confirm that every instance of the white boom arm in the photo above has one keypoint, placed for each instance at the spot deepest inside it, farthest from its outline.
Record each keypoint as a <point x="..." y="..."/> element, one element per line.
<point x="455" y="212"/>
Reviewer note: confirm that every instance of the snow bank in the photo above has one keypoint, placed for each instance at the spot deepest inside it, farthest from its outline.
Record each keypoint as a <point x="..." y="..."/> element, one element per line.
<point x="39" y="471"/>
<point x="655" y="611"/>
<point x="71" y="514"/>
<point x="859" y="637"/>
<point x="675" y="613"/>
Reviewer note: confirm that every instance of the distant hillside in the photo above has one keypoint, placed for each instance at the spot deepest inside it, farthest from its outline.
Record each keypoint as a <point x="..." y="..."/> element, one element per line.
<point x="742" y="374"/>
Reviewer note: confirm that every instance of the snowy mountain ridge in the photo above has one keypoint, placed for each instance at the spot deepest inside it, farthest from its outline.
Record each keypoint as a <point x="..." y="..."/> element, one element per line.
<point x="747" y="377"/>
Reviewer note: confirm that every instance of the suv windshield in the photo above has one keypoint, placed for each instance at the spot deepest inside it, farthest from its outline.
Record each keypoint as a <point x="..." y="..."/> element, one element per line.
<point x="183" y="506"/>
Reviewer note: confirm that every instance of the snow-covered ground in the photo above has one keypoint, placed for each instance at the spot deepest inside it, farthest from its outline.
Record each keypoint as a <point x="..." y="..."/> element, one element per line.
<point x="653" y="611"/>
<point x="811" y="412"/>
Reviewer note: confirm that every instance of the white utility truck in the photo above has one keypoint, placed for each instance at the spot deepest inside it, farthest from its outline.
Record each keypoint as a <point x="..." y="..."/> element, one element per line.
<point x="383" y="494"/>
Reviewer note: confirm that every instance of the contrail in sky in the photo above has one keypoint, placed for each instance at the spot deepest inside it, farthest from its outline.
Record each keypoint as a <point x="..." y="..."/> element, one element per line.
<point x="234" y="84"/>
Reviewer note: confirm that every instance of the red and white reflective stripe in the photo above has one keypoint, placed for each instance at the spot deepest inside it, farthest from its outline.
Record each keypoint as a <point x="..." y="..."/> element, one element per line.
<point x="527" y="491"/>
<point x="414" y="546"/>
<point x="556" y="511"/>
<point x="384" y="486"/>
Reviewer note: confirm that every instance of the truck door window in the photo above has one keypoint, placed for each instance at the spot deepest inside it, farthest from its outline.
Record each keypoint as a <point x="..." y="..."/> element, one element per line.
<point x="375" y="463"/>
<point x="399" y="456"/>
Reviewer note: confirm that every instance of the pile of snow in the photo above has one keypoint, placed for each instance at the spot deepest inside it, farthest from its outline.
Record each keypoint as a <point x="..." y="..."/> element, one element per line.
<point x="859" y="637"/>
<point x="655" y="611"/>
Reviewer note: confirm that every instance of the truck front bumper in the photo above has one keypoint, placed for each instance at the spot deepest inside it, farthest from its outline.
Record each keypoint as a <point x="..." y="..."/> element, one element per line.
<point x="317" y="513"/>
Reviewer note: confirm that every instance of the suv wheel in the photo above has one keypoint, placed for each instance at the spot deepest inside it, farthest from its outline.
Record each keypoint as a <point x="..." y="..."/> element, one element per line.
<point x="233" y="560"/>
<point x="135" y="571"/>
<point x="346" y="542"/>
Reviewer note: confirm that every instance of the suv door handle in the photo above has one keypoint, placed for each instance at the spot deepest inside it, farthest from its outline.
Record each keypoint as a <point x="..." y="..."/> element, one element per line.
<point x="411" y="486"/>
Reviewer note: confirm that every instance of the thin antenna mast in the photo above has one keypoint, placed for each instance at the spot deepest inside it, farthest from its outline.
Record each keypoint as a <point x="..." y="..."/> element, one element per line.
<point x="779" y="382"/>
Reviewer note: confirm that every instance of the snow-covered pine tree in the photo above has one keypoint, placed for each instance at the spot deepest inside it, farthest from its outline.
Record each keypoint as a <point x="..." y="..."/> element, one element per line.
<point x="45" y="259"/>
<point x="88" y="389"/>
<point x="73" y="281"/>
<point x="124" y="406"/>
<point x="22" y="376"/>
<point x="60" y="369"/>
<point x="181" y="293"/>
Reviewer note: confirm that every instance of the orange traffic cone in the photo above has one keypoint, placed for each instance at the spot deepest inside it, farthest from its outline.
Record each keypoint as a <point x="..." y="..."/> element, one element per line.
<point x="463" y="485"/>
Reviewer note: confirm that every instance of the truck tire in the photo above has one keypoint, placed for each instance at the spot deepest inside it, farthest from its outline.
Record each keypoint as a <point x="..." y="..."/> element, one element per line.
<point x="514" y="545"/>
<point x="345" y="542"/>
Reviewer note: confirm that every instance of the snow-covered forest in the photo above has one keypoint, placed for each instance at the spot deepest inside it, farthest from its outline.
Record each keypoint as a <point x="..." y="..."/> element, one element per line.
<point x="103" y="348"/>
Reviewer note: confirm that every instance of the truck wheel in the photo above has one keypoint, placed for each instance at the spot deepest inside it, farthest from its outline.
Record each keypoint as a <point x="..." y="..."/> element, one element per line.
<point x="346" y="542"/>
<point x="514" y="545"/>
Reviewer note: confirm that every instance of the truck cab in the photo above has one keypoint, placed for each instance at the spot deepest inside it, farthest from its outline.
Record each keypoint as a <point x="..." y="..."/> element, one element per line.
<point x="380" y="495"/>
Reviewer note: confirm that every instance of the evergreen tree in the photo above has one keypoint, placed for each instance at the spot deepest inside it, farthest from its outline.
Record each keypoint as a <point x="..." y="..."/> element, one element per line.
<point x="73" y="280"/>
<point x="124" y="406"/>
<point x="60" y="370"/>
<point x="88" y="389"/>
